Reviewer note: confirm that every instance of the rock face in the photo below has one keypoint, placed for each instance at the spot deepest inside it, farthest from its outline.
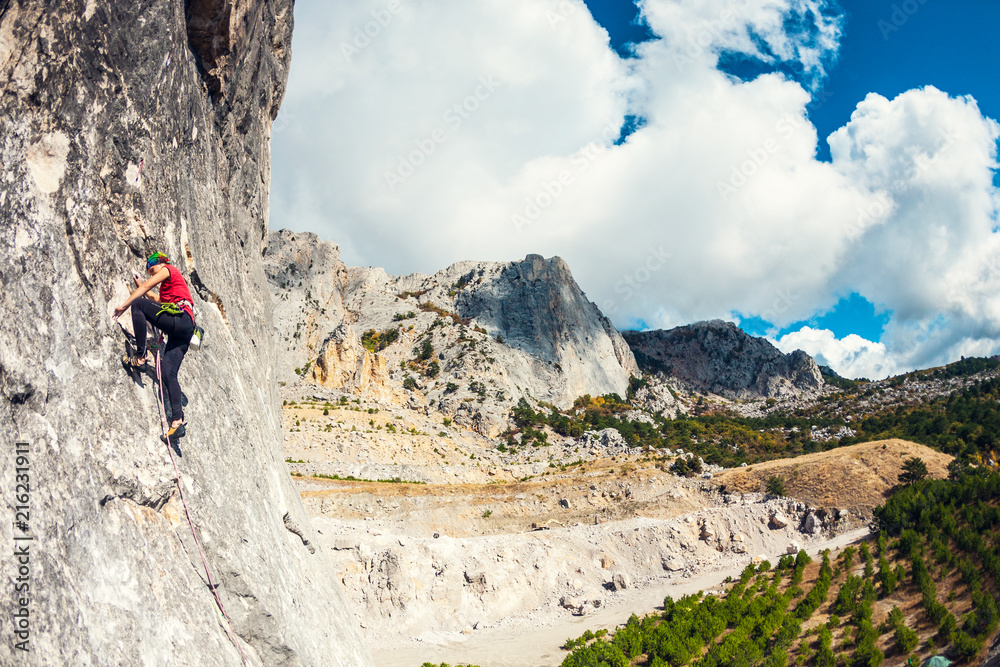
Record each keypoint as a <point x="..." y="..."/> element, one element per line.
<point x="494" y="332"/>
<point x="128" y="128"/>
<point x="719" y="357"/>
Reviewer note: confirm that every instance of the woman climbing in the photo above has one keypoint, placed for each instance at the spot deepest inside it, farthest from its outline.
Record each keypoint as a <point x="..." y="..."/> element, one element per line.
<point x="171" y="312"/>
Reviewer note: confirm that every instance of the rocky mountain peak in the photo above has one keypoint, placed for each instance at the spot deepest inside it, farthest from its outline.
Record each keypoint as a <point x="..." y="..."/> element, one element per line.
<point x="721" y="358"/>
<point x="470" y="340"/>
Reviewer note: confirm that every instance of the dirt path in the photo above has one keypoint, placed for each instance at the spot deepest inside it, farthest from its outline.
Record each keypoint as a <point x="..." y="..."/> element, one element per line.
<point x="534" y="640"/>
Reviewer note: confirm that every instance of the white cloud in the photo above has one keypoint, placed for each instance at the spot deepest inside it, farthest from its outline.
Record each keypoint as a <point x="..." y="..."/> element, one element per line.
<point x="851" y="356"/>
<point x="716" y="205"/>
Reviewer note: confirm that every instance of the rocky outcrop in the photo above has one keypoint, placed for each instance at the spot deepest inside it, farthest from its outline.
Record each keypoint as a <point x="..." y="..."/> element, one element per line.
<point x="344" y="363"/>
<point x="129" y="127"/>
<point x="489" y="333"/>
<point x="720" y="358"/>
<point x="535" y="305"/>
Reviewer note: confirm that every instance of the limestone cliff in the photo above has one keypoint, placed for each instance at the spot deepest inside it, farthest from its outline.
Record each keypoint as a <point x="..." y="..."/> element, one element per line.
<point x="129" y="127"/>
<point x="470" y="340"/>
<point x="719" y="357"/>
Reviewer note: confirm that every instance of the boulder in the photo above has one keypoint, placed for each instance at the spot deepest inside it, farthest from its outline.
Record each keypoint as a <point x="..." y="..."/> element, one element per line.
<point x="778" y="521"/>
<point x="620" y="582"/>
<point x="570" y="602"/>
<point x="673" y="563"/>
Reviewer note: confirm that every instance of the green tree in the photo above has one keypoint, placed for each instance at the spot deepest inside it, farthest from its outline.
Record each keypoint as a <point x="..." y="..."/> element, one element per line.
<point x="914" y="470"/>
<point x="775" y="486"/>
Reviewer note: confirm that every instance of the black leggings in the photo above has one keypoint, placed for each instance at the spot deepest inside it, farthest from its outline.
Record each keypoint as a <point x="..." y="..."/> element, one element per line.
<point x="178" y="329"/>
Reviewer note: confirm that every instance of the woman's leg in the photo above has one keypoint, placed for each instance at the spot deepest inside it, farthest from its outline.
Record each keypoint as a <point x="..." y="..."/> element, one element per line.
<point x="179" y="334"/>
<point x="170" y="363"/>
<point x="143" y="310"/>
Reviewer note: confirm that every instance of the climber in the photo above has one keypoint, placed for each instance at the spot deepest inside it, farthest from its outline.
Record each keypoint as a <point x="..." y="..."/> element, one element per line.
<point x="171" y="312"/>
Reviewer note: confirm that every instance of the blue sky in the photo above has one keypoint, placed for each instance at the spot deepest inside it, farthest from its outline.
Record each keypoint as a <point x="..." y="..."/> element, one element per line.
<point x="419" y="134"/>
<point x="888" y="47"/>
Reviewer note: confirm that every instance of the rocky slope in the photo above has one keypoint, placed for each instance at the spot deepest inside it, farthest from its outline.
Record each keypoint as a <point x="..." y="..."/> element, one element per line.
<point x="128" y="128"/>
<point x="470" y="340"/>
<point x="720" y="358"/>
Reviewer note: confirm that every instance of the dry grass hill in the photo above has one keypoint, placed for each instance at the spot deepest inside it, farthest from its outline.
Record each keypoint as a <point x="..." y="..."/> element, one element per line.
<point x="858" y="476"/>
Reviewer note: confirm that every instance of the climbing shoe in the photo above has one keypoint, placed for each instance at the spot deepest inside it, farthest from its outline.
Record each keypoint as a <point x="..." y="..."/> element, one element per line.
<point x="174" y="433"/>
<point x="134" y="363"/>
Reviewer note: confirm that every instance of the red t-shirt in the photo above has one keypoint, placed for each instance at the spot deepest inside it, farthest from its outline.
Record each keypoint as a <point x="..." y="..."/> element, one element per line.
<point x="174" y="289"/>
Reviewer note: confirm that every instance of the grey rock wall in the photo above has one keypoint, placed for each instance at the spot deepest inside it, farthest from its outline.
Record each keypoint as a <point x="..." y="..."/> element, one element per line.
<point x="719" y="357"/>
<point x="129" y="127"/>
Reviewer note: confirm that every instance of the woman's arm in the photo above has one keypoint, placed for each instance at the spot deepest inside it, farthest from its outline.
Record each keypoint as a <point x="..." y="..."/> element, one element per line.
<point x="142" y="289"/>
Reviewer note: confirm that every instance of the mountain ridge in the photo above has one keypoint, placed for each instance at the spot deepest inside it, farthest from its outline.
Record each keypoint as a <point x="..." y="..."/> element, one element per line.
<point x="721" y="358"/>
<point x="470" y="340"/>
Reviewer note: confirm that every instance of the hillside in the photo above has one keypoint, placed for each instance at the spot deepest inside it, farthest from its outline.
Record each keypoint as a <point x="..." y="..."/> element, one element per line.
<point x="925" y="586"/>
<point x="850" y="477"/>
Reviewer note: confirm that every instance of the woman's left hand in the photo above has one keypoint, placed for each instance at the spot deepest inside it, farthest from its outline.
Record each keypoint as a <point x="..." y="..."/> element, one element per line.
<point x="119" y="311"/>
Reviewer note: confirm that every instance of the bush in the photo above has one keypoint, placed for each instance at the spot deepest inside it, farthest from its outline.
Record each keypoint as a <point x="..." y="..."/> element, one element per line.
<point x="775" y="486"/>
<point x="409" y="383"/>
<point x="375" y="341"/>
<point x="425" y="351"/>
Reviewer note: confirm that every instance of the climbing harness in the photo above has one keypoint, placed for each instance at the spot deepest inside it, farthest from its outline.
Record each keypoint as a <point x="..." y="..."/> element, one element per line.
<point x="174" y="307"/>
<point x="177" y="475"/>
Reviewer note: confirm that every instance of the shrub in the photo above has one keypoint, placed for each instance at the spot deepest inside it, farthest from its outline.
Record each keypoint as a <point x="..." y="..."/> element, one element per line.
<point x="425" y="351"/>
<point x="775" y="486"/>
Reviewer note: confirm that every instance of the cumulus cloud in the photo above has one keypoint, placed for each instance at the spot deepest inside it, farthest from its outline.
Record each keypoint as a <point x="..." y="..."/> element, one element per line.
<point x="851" y="356"/>
<point x="417" y="134"/>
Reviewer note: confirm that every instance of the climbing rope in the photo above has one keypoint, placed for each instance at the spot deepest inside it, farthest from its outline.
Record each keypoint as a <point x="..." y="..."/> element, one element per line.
<point x="177" y="475"/>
